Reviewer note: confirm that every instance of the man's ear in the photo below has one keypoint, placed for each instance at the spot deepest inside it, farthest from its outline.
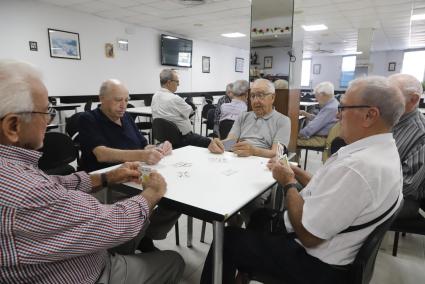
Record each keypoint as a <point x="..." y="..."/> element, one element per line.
<point x="414" y="99"/>
<point x="10" y="126"/>
<point x="371" y="116"/>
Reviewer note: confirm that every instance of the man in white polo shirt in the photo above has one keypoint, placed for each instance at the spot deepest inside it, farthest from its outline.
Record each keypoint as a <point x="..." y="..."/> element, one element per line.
<point x="357" y="185"/>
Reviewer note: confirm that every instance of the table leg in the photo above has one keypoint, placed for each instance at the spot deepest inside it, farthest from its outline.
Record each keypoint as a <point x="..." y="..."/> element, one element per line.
<point x="218" y="252"/>
<point x="189" y="231"/>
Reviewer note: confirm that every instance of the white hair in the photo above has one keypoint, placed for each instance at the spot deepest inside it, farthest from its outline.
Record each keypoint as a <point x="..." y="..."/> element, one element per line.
<point x="15" y="87"/>
<point x="240" y="87"/>
<point x="269" y="85"/>
<point x="107" y="85"/>
<point x="325" y="88"/>
<point x="377" y="91"/>
<point x="407" y="84"/>
<point x="281" y="84"/>
<point x="166" y="75"/>
<point x="229" y="88"/>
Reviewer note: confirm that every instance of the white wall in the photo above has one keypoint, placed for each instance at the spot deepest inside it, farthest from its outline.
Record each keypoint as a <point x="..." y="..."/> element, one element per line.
<point x="331" y="66"/>
<point x="280" y="56"/>
<point x="138" y="68"/>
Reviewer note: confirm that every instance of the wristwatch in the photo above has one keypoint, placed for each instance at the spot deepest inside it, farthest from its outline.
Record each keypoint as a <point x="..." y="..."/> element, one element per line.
<point x="103" y="179"/>
<point x="287" y="187"/>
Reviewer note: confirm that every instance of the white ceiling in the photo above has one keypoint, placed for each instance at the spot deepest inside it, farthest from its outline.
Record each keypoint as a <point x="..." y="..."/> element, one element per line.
<point x="390" y="20"/>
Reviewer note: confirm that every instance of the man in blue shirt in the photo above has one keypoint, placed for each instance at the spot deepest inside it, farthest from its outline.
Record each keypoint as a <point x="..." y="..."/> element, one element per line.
<point x="314" y="134"/>
<point x="109" y="136"/>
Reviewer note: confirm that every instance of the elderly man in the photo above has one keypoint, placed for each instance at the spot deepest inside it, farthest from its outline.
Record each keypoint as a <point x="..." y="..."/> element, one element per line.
<point x="232" y="110"/>
<point x="169" y="106"/>
<point x="227" y="98"/>
<point x="108" y="135"/>
<point x="314" y="134"/>
<point x="53" y="231"/>
<point x="409" y="135"/>
<point x="257" y="132"/>
<point x="357" y="186"/>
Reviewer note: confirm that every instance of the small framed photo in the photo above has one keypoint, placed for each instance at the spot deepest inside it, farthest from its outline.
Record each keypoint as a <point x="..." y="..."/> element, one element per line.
<point x="239" y="64"/>
<point x="64" y="44"/>
<point x="268" y="62"/>
<point x="109" y="50"/>
<point x="391" y="66"/>
<point x="33" y="46"/>
<point x="205" y="64"/>
<point x="317" y="68"/>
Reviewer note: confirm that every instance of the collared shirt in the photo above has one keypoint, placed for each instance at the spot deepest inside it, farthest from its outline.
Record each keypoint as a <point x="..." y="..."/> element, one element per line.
<point x="52" y="230"/>
<point x="409" y="135"/>
<point x="173" y="108"/>
<point x="223" y="100"/>
<point x="356" y="185"/>
<point x="96" y="129"/>
<point x="262" y="132"/>
<point x="323" y="121"/>
<point x="233" y="109"/>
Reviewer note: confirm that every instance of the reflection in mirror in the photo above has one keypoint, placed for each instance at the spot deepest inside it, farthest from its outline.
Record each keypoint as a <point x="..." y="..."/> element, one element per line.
<point x="271" y="39"/>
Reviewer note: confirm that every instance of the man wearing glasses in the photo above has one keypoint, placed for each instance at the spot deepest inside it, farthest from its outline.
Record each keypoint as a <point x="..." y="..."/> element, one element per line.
<point x="357" y="189"/>
<point x="169" y="106"/>
<point x="52" y="229"/>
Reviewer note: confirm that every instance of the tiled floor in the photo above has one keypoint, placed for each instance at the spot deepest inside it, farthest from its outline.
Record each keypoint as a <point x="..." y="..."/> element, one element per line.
<point x="407" y="268"/>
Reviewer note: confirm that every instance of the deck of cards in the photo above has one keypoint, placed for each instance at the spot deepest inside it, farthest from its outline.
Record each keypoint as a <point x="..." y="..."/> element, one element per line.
<point x="144" y="173"/>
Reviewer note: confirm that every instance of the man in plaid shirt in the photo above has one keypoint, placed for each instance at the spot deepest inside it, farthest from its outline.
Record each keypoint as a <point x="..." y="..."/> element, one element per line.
<point x="52" y="230"/>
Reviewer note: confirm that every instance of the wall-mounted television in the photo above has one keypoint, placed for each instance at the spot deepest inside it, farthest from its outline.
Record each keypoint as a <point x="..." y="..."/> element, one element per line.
<point x="176" y="51"/>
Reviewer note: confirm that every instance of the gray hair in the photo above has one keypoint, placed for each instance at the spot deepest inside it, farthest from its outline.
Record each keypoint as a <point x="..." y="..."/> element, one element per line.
<point x="229" y="88"/>
<point x="15" y="87"/>
<point x="107" y="85"/>
<point x="240" y="88"/>
<point x="325" y="88"/>
<point x="377" y="91"/>
<point x="407" y="84"/>
<point x="166" y="75"/>
<point x="269" y="85"/>
<point x="281" y="84"/>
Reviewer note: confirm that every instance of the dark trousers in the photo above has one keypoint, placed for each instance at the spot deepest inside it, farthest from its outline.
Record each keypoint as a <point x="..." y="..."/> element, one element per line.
<point x="410" y="209"/>
<point x="194" y="139"/>
<point x="279" y="256"/>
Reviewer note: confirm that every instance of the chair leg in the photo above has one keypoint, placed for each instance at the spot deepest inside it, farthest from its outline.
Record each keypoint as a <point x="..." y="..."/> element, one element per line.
<point x="189" y="231"/>
<point x="305" y="159"/>
<point x="201" y="127"/>
<point x="176" y="226"/>
<point x="395" y="245"/>
<point x="204" y="224"/>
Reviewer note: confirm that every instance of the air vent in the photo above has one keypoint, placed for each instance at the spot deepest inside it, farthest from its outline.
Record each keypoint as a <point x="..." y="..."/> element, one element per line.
<point x="192" y="2"/>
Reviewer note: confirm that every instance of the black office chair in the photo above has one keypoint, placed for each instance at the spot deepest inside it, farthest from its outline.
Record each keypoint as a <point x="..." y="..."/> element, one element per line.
<point x="58" y="151"/>
<point x="408" y="225"/>
<point x="163" y="129"/>
<point x="141" y="125"/>
<point x="87" y="106"/>
<point x="204" y="117"/>
<point x="71" y="128"/>
<point x="224" y="127"/>
<point x="361" y="270"/>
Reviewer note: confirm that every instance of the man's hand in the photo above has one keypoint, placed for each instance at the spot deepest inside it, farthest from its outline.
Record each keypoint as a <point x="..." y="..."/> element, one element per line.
<point x="244" y="149"/>
<point x="303" y="112"/>
<point x="216" y="146"/>
<point x="282" y="173"/>
<point x="152" y="156"/>
<point x="154" y="188"/>
<point x="126" y="172"/>
<point x="165" y="149"/>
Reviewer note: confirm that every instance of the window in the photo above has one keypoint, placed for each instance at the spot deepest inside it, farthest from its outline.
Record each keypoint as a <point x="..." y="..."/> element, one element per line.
<point x="414" y="64"/>
<point x="305" y="73"/>
<point x="347" y="70"/>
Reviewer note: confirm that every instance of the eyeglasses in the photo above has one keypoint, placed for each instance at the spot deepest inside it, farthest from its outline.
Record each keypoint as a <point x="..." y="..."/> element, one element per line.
<point x="259" y="96"/>
<point x="341" y="108"/>
<point x="49" y="115"/>
<point x="177" y="81"/>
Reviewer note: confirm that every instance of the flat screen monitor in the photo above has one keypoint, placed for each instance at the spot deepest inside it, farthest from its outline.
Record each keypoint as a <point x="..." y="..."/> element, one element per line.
<point x="176" y="51"/>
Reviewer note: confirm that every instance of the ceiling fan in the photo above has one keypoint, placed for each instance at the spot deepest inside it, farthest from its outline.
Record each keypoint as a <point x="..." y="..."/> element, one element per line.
<point x="320" y="50"/>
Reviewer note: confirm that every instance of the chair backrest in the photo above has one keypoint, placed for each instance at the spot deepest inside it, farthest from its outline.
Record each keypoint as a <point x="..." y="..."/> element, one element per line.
<point x="71" y="126"/>
<point x="58" y="150"/>
<point x="210" y="118"/>
<point x="205" y="110"/>
<point x="87" y="106"/>
<point x="163" y="129"/>
<point x="189" y="101"/>
<point x="209" y="99"/>
<point x="224" y="127"/>
<point x="361" y="270"/>
<point x="133" y="115"/>
<point x="333" y="133"/>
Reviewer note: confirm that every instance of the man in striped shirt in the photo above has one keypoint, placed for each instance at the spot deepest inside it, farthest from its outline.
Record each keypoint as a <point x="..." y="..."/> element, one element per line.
<point x="52" y="230"/>
<point x="409" y="134"/>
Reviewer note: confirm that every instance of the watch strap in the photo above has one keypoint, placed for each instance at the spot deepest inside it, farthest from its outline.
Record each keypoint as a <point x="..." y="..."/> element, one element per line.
<point x="287" y="187"/>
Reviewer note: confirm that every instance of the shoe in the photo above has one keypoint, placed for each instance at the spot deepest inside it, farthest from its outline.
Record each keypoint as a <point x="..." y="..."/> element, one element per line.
<point x="146" y="245"/>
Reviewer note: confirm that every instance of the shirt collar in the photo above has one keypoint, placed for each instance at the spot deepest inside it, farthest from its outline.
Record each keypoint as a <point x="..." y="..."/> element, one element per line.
<point x="364" y="143"/>
<point x="409" y="115"/>
<point x="20" y="155"/>
<point x="266" y="117"/>
<point x="105" y="118"/>
<point x="166" y="90"/>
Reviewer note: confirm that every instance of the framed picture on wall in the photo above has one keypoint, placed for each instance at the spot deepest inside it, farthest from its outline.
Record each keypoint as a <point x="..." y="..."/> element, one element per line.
<point x="317" y="68"/>
<point x="268" y="62"/>
<point x="205" y="64"/>
<point x="64" y="44"/>
<point x="391" y="66"/>
<point x="238" y="64"/>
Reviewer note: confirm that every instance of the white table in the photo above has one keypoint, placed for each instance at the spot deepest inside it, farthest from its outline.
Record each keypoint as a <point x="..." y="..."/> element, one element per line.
<point x="204" y="186"/>
<point x="308" y="104"/>
<point x="142" y="111"/>
<point x="422" y="110"/>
